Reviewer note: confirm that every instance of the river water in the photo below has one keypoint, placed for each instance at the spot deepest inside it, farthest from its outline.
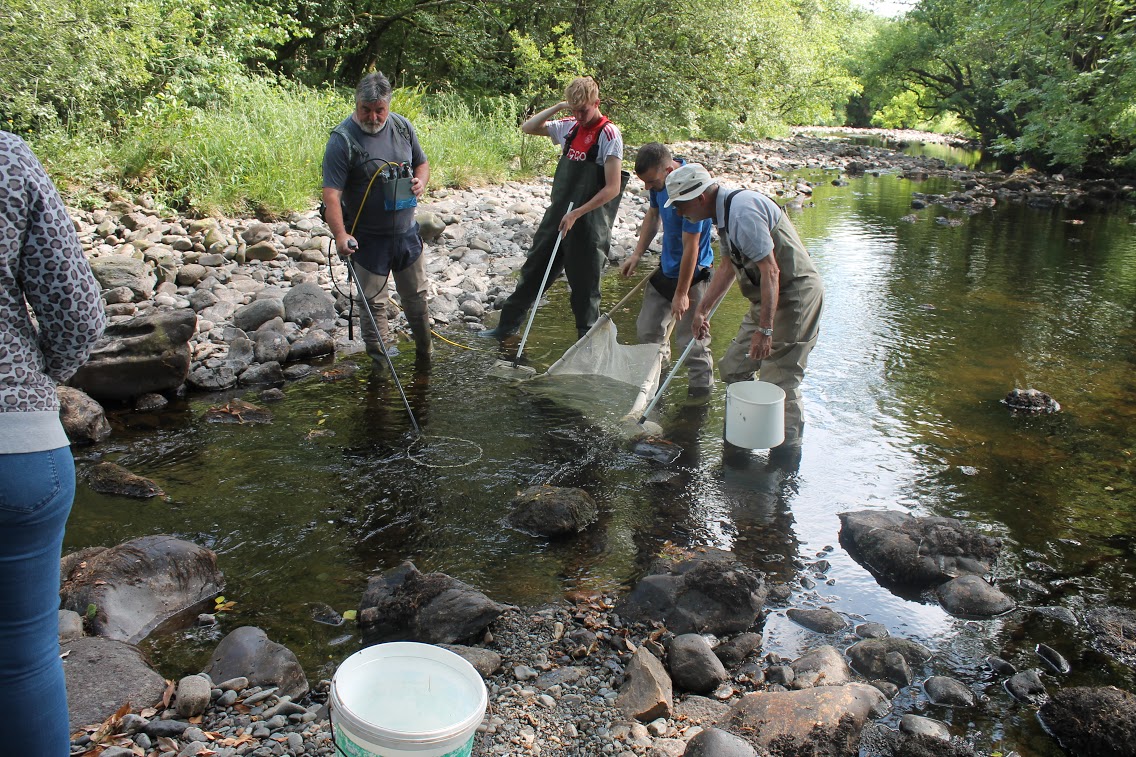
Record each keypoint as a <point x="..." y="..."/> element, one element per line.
<point x="926" y="328"/>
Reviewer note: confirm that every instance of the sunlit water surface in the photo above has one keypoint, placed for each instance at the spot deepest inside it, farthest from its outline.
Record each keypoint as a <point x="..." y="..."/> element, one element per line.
<point x="926" y="328"/>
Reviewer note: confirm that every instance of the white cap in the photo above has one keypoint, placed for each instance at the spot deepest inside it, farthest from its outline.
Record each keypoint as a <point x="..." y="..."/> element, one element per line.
<point x="687" y="182"/>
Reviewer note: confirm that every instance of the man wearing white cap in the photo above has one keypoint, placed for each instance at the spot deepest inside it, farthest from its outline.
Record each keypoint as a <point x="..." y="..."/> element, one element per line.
<point x="775" y="274"/>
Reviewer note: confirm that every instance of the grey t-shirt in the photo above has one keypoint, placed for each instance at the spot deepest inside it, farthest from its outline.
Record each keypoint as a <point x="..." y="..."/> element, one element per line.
<point x="389" y="145"/>
<point x="751" y="222"/>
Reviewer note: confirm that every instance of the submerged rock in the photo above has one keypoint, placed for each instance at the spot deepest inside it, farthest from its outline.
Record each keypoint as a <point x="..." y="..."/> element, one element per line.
<point x="110" y="478"/>
<point x="1114" y="632"/>
<point x="238" y="411"/>
<point x="1030" y="401"/>
<point x="553" y="511"/>
<point x="83" y="419"/>
<point x="1092" y="722"/>
<point x="973" y="597"/>
<point x="890" y="659"/>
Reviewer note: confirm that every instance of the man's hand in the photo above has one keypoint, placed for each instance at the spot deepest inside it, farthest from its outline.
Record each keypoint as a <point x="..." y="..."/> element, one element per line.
<point x="699" y="326"/>
<point x="760" y="346"/>
<point x="629" y="265"/>
<point x="346" y="245"/>
<point x="417" y="186"/>
<point x="680" y="304"/>
<point x="569" y="220"/>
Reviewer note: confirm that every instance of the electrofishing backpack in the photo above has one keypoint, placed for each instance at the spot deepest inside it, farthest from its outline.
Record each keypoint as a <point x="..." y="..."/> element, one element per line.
<point x="395" y="183"/>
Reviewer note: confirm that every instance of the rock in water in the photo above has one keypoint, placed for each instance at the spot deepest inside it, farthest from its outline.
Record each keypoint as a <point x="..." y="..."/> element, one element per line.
<point x="1030" y="401"/>
<point x="109" y="478"/>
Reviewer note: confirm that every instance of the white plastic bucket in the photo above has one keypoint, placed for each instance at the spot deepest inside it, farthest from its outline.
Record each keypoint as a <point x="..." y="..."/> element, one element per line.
<point x="755" y="414"/>
<point x="405" y="699"/>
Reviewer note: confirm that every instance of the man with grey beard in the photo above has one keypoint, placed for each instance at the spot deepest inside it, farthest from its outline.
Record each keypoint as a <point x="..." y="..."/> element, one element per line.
<point x="369" y="147"/>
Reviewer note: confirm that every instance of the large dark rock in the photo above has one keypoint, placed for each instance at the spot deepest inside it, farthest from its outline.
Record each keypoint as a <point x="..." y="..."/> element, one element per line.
<point x="1092" y="722"/>
<point x="822" y="721"/>
<point x="406" y="605"/>
<point x="822" y="620"/>
<point x="83" y="419"/>
<point x="248" y="653"/>
<point x="708" y="594"/>
<point x="258" y="312"/>
<point x="879" y="740"/>
<point x="904" y="550"/>
<point x="139" y="584"/>
<point x="307" y="302"/>
<point x="104" y="674"/>
<point x="553" y="511"/>
<point x="149" y="353"/>
<point x="315" y="343"/>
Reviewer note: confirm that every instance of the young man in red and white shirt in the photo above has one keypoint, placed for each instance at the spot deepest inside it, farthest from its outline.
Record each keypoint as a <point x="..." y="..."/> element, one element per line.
<point x="590" y="176"/>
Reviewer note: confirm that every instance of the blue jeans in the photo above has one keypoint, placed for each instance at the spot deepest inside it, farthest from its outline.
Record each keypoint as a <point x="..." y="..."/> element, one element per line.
<point x="36" y="492"/>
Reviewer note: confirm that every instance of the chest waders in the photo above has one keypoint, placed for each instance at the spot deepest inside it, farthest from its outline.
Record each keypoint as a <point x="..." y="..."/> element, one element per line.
<point x="796" y="322"/>
<point x="583" y="251"/>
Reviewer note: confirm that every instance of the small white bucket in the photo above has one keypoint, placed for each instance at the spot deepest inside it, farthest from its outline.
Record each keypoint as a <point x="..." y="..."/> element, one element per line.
<point x="755" y="414"/>
<point x="405" y="699"/>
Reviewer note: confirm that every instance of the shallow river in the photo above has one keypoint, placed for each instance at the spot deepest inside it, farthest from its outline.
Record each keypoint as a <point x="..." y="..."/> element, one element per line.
<point x="926" y="328"/>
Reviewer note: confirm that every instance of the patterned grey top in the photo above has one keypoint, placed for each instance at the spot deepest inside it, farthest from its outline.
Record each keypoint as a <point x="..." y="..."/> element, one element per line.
<point x="50" y="309"/>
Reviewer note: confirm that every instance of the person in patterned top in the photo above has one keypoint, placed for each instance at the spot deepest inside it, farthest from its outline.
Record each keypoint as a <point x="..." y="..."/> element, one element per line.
<point x="50" y="316"/>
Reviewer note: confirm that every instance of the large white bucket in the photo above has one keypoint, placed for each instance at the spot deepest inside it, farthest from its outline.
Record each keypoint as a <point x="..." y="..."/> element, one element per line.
<point x="405" y="699"/>
<point x="755" y="414"/>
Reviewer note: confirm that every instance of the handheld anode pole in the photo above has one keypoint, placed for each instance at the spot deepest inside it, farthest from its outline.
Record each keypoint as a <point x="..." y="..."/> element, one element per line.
<point x="367" y="309"/>
<point x="677" y="365"/>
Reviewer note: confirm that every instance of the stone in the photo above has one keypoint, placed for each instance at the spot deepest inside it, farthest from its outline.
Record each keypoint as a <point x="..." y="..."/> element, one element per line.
<point x="103" y="675"/>
<point x="70" y="625"/>
<point x="430" y="225"/>
<point x="553" y="511"/>
<point x="824" y="666"/>
<point x="307" y="303"/>
<point x="1027" y="687"/>
<point x="698" y="709"/>
<point x="714" y="742"/>
<point x="83" y="419"/>
<point x="114" y="271"/>
<point x="404" y="604"/>
<point x="1113" y="631"/>
<point x="150" y="402"/>
<point x="190" y="274"/>
<point x="139" y="584"/>
<point x="647" y="692"/>
<point x="733" y="651"/>
<point x="917" y="725"/>
<point x="1092" y="721"/>
<point x="148" y="353"/>
<point x="822" y="620"/>
<point x="711" y="593"/>
<point x="948" y="691"/>
<point x="111" y="478"/>
<point x="249" y="317"/>
<point x="872" y="631"/>
<point x="904" y="550"/>
<point x="315" y="343"/>
<point x="826" y="720"/>
<point x="265" y="251"/>
<point x="876" y="658"/>
<point x="192" y="696"/>
<point x="973" y="597"/>
<point x="256" y="233"/>
<point x="248" y="652"/>
<point x="484" y="661"/>
<point x="693" y="664"/>
<point x="270" y="347"/>
<point x="566" y="676"/>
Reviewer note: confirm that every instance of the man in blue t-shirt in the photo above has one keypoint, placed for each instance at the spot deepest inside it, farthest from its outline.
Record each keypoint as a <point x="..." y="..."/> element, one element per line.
<point x="365" y="148"/>
<point x="677" y="287"/>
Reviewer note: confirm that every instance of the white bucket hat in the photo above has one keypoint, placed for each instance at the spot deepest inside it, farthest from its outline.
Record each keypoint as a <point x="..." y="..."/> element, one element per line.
<point x="687" y="182"/>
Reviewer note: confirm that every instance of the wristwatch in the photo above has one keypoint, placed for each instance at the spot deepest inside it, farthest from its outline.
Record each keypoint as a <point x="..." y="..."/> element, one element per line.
<point x="767" y="332"/>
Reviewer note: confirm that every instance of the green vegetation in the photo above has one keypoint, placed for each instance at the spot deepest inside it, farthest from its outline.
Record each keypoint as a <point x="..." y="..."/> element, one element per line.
<point x="224" y="105"/>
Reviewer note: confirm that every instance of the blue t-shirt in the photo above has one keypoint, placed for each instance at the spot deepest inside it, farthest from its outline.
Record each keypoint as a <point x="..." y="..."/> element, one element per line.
<point x="673" y="227"/>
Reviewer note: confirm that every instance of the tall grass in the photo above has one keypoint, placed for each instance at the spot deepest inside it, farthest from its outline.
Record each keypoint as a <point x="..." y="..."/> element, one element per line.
<point x="258" y="149"/>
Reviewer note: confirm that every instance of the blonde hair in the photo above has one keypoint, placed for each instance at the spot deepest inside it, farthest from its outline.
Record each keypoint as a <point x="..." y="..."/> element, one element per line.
<point x="582" y="91"/>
